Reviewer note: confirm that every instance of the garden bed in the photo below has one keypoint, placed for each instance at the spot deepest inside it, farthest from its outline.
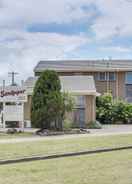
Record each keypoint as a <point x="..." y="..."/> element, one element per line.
<point x="64" y="132"/>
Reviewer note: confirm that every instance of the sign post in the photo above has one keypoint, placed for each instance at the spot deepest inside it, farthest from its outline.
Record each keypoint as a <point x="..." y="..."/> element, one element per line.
<point x="13" y="99"/>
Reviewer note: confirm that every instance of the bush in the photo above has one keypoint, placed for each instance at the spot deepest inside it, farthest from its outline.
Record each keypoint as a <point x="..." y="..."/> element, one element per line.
<point x="94" y="125"/>
<point x="113" y="111"/>
<point x="122" y="112"/>
<point x="104" y="108"/>
<point x="119" y="112"/>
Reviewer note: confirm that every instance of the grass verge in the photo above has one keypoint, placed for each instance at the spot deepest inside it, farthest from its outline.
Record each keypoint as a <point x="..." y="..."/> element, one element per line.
<point x="62" y="145"/>
<point x="16" y="135"/>
<point x="105" y="168"/>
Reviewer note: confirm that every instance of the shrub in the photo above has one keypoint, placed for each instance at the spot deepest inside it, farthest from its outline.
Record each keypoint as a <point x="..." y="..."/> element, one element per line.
<point x="129" y="112"/>
<point x="119" y="112"/>
<point x="113" y="111"/>
<point x="104" y="108"/>
<point x="122" y="112"/>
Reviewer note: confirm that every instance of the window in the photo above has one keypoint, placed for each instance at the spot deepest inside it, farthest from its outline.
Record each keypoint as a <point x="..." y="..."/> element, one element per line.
<point x="96" y="76"/>
<point x="79" y="117"/>
<point x="80" y="101"/>
<point x="129" y="86"/>
<point x="112" y="76"/>
<point x="128" y="77"/>
<point x="102" y="76"/>
<point x="10" y="103"/>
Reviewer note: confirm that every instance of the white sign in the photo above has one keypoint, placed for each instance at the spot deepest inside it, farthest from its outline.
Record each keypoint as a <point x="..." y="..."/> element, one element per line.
<point x="13" y="96"/>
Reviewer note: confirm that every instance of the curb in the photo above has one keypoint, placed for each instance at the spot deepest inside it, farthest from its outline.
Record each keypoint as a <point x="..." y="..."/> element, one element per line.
<point x="54" y="156"/>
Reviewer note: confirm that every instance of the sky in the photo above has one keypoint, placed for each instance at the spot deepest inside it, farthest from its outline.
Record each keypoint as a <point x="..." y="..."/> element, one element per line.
<point x="34" y="30"/>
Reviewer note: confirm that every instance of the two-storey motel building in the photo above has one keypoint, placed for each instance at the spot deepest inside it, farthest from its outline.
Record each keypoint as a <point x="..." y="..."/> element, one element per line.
<point x="84" y="79"/>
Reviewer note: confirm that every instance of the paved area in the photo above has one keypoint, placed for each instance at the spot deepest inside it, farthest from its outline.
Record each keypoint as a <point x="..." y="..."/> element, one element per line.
<point x="113" y="129"/>
<point x="105" y="131"/>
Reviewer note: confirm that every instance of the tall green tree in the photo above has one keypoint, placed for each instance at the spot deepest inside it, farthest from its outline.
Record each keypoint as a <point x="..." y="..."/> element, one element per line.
<point x="46" y="100"/>
<point x="49" y="104"/>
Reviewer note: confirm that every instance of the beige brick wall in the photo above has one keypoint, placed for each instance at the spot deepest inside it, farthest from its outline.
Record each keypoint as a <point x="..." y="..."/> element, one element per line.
<point x="116" y="87"/>
<point x="90" y="108"/>
<point x="103" y="87"/>
<point x="27" y="109"/>
<point x="121" y="85"/>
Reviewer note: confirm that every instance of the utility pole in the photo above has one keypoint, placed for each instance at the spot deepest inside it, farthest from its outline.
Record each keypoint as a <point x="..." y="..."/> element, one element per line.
<point x="13" y="77"/>
<point x="3" y="85"/>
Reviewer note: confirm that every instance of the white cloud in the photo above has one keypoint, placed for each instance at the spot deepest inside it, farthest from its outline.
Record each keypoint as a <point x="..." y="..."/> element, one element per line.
<point x="117" y="49"/>
<point x="115" y="15"/>
<point x="23" y="12"/>
<point x="115" y="19"/>
<point x="22" y="50"/>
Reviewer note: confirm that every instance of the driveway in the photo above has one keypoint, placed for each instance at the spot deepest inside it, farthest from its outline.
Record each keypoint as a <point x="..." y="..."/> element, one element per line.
<point x="113" y="129"/>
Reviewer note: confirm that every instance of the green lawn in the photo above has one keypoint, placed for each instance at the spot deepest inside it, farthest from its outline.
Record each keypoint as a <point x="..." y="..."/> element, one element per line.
<point x="104" y="168"/>
<point x="16" y="135"/>
<point x="51" y="146"/>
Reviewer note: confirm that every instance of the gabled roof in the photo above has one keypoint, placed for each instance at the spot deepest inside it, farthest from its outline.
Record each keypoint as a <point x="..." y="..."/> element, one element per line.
<point x="84" y="65"/>
<point x="77" y="85"/>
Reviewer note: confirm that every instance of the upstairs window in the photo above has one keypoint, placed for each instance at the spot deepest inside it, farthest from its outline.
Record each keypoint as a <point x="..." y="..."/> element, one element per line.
<point x="111" y="76"/>
<point x="128" y="77"/>
<point x="104" y="76"/>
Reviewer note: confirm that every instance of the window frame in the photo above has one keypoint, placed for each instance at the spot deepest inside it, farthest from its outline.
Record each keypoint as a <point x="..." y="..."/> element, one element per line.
<point x="113" y="75"/>
<point x="126" y="79"/>
<point x="100" y="76"/>
<point x="106" y="76"/>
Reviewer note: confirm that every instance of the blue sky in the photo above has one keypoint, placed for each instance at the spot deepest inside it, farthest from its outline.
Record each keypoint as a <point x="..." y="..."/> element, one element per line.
<point x="34" y="30"/>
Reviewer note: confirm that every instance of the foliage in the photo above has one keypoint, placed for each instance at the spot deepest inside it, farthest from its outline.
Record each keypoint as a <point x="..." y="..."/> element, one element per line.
<point x="104" y="108"/>
<point x="113" y="111"/>
<point x="94" y="125"/>
<point x="67" y="104"/>
<point x="46" y="99"/>
<point x="49" y="105"/>
<point x="122" y="112"/>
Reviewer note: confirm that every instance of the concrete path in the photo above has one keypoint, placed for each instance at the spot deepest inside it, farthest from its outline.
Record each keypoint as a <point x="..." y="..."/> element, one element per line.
<point x="105" y="131"/>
